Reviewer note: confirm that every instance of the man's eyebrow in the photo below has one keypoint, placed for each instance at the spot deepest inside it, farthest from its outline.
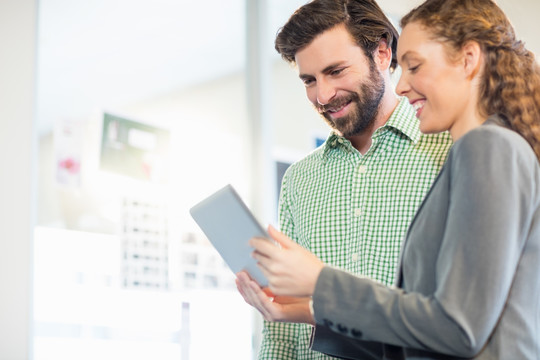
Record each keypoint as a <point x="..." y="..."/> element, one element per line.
<point x="304" y="77"/>
<point x="331" y="67"/>
<point x="326" y="70"/>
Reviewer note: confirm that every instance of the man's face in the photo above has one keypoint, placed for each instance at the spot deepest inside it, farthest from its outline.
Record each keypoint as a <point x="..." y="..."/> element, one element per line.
<point x="342" y="83"/>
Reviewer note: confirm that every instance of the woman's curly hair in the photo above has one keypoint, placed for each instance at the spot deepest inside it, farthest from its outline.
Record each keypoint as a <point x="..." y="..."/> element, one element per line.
<point x="510" y="86"/>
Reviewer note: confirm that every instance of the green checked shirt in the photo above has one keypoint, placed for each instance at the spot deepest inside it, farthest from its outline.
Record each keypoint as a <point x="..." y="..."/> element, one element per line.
<point x="352" y="210"/>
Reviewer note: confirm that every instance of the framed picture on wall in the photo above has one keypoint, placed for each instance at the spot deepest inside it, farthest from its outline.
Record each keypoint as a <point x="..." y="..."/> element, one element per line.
<point x="134" y="149"/>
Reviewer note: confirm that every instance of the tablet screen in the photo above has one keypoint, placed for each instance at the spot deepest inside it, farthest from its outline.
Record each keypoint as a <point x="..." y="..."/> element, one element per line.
<point x="229" y="224"/>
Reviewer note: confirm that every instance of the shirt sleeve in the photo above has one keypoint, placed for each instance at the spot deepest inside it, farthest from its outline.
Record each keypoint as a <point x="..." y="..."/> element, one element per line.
<point x="484" y="234"/>
<point x="280" y="339"/>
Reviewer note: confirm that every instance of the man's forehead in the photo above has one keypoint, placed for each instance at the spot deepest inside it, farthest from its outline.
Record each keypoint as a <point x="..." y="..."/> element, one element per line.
<point x="336" y="33"/>
<point x="327" y="51"/>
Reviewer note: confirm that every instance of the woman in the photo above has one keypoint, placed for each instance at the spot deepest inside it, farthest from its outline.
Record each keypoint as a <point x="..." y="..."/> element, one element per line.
<point x="468" y="283"/>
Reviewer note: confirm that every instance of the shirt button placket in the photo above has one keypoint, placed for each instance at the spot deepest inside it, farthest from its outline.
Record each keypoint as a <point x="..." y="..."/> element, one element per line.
<point x="358" y="214"/>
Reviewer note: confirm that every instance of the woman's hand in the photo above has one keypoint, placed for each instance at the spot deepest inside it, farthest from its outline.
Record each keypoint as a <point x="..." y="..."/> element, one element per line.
<point x="290" y="269"/>
<point x="273" y="308"/>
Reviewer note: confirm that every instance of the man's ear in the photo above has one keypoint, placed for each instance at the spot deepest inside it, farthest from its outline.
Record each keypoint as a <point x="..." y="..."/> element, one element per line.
<point x="383" y="55"/>
<point x="472" y="58"/>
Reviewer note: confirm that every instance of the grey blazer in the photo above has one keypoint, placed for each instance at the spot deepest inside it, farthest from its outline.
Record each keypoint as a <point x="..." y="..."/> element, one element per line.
<point x="468" y="283"/>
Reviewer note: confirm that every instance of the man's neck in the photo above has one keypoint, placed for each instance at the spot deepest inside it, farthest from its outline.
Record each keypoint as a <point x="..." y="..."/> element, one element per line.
<point x="362" y="142"/>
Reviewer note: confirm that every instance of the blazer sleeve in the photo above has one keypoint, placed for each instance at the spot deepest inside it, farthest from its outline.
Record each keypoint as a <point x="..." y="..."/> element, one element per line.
<point x="484" y="234"/>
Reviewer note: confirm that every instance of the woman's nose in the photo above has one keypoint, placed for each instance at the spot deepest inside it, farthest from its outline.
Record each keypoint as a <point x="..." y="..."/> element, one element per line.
<point x="402" y="87"/>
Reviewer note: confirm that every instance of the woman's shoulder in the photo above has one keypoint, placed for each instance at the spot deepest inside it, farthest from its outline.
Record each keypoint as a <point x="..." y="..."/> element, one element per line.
<point x="494" y="138"/>
<point x="495" y="150"/>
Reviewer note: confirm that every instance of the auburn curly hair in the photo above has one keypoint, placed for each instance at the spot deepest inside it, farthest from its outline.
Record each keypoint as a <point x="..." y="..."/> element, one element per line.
<point x="510" y="86"/>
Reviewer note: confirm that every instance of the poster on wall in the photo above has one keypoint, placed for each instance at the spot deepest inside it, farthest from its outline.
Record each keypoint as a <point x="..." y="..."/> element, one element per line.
<point x="134" y="149"/>
<point x="68" y="139"/>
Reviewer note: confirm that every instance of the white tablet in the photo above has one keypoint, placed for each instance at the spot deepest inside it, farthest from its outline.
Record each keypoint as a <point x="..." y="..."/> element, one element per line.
<point x="229" y="224"/>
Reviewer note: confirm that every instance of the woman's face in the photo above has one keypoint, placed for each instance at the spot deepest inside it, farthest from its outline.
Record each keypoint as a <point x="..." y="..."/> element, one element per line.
<point x="439" y="89"/>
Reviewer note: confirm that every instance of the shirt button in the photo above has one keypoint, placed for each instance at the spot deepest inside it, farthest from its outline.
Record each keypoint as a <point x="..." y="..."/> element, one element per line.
<point x="354" y="257"/>
<point x="357" y="212"/>
<point x="340" y="140"/>
<point x="362" y="169"/>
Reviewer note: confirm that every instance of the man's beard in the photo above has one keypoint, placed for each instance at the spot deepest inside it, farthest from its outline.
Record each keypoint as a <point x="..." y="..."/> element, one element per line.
<point x="366" y="106"/>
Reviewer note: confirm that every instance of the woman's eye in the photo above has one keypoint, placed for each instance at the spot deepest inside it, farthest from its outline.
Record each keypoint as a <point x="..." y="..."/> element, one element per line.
<point x="413" y="69"/>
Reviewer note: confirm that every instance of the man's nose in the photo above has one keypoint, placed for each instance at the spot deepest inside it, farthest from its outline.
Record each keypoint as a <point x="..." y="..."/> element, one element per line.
<point x="325" y="92"/>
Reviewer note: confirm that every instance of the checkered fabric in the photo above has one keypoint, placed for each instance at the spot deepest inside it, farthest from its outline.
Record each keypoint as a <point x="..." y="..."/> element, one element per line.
<point x="353" y="210"/>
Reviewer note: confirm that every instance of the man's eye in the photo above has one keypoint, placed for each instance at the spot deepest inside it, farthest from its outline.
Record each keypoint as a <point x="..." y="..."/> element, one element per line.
<point x="336" y="72"/>
<point x="308" y="82"/>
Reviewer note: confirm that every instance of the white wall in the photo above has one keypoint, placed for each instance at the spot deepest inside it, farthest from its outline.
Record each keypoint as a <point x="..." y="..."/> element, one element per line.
<point x="17" y="83"/>
<point x="522" y="14"/>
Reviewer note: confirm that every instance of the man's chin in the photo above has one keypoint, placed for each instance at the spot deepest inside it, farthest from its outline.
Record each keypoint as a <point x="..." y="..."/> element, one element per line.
<point x="341" y="126"/>
<point x="359" y="129"/>
<point x="346" y="130"/>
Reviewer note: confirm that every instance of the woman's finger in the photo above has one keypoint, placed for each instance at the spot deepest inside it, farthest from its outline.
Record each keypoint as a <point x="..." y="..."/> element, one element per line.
<point x="283" y="240"/>
<point x="264" y="246"/>
<point x="263" y="261"/>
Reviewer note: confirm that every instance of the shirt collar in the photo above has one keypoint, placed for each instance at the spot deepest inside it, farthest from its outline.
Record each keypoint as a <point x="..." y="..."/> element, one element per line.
<point x="335" y="141"/>
<point x="403" y="120"/>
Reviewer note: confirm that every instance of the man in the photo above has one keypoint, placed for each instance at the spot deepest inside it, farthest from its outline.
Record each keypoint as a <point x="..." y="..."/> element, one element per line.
<point x="351" y="200"/>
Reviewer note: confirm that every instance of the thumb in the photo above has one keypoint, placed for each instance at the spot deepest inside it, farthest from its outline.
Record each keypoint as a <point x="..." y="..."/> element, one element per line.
<point x="280" y="238"/>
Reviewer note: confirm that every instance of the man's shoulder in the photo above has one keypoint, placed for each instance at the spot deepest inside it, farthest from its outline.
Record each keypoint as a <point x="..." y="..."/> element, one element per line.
<point x="433" y="147"/>
<point x="309" y="161"/>
<point x="438" y="139"/>
<point x="315" y="156"/>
